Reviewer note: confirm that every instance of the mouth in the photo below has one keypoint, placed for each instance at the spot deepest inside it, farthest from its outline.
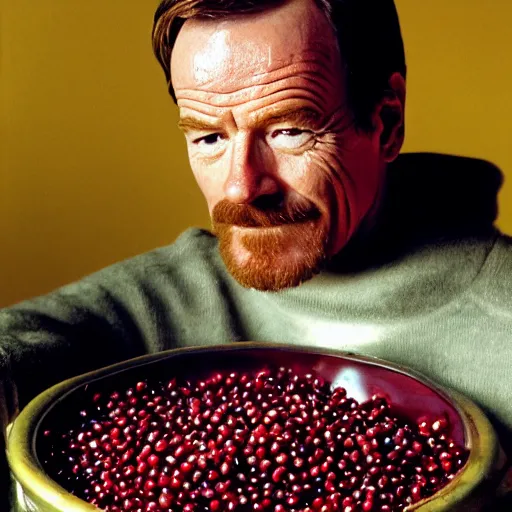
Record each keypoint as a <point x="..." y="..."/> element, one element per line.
<point x="272" y="224"/>
<point x="275" y="229"/>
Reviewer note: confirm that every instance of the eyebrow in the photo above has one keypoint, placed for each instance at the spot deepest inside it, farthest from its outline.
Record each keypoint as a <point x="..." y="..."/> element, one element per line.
<point x="189" y="123"/>
<point x="304" y="116"/>
<point x="296" y="116"/>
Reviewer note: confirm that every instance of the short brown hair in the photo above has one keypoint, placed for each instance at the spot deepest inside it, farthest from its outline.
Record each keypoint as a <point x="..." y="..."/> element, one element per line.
<point x="368" y="34"/>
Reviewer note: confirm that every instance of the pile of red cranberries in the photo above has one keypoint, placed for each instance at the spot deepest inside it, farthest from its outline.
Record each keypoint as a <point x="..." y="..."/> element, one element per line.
<point x="268" y="440"/>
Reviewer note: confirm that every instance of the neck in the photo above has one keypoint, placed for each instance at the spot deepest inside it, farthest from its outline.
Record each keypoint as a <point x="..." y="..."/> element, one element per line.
<point x="426" y="199"/>
<point x="367" y="237"/>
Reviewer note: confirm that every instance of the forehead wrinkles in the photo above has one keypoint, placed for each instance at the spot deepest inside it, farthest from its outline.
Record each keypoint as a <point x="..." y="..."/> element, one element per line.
<point x="293" y="88"/>
<point x="236" y="76"/>
<point x="290" y="99"/>
<point x="310" y="80"/>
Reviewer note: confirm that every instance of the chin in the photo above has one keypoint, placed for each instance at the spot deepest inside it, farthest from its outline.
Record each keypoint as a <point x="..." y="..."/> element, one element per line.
<point x="273" y="259"/>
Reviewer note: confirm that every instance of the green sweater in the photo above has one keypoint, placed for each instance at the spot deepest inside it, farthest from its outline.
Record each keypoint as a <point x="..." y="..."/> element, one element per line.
<point x="441" y="305"/>
<point x="445" y="311"/>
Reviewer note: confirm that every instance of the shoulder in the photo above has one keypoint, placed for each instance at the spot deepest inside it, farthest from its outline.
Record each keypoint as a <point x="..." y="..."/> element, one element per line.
<point x="185" y="274"/>
<point x="498" y="266"/>
<point x="193" y="246"/>
<point x="493" y="287"/>
<point x="193" y="252"/>
<point x="191" y="260"/>
<point x="189" y="266"/>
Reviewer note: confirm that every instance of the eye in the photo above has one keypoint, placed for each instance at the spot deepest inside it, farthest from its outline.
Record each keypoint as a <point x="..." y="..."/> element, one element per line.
<point x="208" y="140"/>
<point x="289" y="138"/>
<point x="210" y="144"/>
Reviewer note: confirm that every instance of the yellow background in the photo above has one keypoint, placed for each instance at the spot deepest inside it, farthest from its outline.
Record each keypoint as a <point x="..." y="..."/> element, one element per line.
<point x="93" y="168"/>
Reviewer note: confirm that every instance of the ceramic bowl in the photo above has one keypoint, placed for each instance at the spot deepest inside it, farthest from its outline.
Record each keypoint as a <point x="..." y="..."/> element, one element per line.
<point x="412" y="396"/>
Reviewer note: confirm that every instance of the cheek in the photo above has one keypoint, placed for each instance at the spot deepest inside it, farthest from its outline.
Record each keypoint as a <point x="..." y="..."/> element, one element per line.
<point x="354" y="171"/>
<point x="321" y="178"/>
<point x="210" y="179"/>
<point x="306" y="175"/>
<point x="367" y="174"/>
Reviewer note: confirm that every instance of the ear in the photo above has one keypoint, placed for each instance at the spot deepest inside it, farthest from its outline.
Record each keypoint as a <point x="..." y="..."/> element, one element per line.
<point x="389" y="120"/>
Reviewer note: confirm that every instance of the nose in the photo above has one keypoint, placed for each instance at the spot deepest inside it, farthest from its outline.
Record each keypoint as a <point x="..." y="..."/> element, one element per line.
<point x="250" y="174"/>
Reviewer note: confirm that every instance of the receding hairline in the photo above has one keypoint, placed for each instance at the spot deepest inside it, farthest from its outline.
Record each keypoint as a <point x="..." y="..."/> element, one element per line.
<point x="368" y="34"/>
<point x="254" y="44"/>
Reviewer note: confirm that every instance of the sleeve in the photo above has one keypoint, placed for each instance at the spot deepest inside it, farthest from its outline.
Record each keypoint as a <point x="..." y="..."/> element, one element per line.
<point x="73" y="330"/>
<point x="143" y="305"/>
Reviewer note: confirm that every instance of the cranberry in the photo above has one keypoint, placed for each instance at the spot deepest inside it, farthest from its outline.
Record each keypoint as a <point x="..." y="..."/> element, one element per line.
<point x="269" y="440"/>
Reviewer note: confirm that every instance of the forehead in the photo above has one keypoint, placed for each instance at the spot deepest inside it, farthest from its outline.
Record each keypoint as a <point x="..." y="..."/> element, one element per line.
<point x="241" y="51"/>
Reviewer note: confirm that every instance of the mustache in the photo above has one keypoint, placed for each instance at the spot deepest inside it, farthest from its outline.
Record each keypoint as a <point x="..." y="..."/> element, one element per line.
<point x="250" y="216"/>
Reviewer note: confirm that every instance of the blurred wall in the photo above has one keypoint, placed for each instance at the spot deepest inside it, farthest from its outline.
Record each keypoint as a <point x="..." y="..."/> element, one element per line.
<point x="94" y="170"/>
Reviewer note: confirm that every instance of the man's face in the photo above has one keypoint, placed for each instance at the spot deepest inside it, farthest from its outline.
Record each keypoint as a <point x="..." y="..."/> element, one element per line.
<point x="271" y="141"/>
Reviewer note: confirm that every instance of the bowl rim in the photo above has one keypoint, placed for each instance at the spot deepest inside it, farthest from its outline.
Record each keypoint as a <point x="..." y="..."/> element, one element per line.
<point x="479" y="434"/>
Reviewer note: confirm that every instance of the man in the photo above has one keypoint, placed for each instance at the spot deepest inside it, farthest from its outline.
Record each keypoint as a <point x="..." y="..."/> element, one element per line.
<point x="292" y="111"/>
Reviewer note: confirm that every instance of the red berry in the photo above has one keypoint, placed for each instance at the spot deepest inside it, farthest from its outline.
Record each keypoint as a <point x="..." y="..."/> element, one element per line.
<point x="271" y="440"/>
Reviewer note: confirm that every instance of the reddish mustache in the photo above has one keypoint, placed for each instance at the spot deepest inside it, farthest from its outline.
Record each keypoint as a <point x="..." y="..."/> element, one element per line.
<point x="249" y="216"/>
